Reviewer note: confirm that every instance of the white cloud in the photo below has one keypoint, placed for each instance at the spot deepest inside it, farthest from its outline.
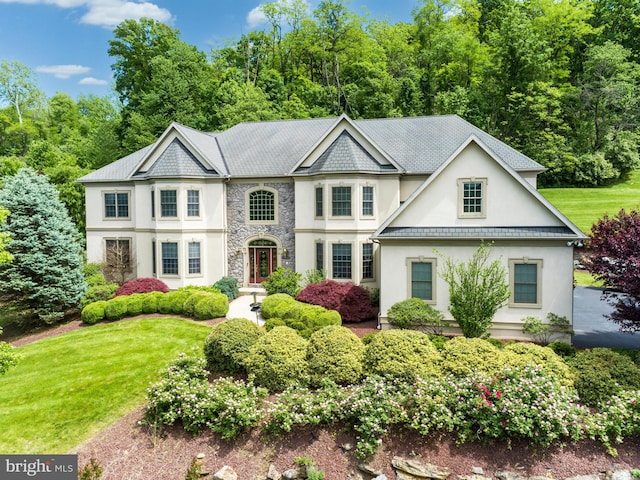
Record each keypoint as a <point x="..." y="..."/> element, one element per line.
<point x="107" y="13"/>
<point x="63" y="71"/>
<point x="255" y="18"/>
<point x="92" y="81"/>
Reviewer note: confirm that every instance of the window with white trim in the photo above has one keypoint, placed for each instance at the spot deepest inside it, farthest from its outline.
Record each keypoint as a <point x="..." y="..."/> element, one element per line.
<point x="367" y="260"/>
<point x="118" y="254"/>
<point x="524" y="279"/>
<point x="422" y="278"/>
<point x="341" y="260"/>
<point x="341" y="201"/>
<point x="169" y="258"/>
<point x="116" y="204"/>
<point x="193" y="203"/>
<point x="194" y="258"/>
<point x="319" y="202"/>
<point x="472" y="197"/>
<point x="319" y="256"/>
<point x="168" y="203"/>
<point x="367" y="201"/>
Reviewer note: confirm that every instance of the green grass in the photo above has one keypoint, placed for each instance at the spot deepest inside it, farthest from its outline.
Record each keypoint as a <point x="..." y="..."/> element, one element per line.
<point x="585" y="279"/>
<point x="584" y="206"/>
<point x="67" y="388"/>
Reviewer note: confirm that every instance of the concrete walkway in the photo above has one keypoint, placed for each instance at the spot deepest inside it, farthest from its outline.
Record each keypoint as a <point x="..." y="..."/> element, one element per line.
<point x="241" y="308"/>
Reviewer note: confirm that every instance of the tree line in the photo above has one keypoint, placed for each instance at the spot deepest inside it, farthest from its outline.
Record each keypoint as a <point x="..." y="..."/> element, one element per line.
<point x="558" y="80"/>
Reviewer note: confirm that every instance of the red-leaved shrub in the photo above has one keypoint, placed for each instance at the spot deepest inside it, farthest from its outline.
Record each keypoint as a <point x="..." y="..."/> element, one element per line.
<point x="351" y="301"/>
<point x="142" y="285"/>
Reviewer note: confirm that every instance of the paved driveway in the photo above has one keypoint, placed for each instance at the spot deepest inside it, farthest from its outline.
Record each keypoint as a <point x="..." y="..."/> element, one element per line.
<point x="592" y="328"/>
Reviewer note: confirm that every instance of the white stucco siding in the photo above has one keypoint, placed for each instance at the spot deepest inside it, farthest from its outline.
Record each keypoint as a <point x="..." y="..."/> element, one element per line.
<point x="508" y="203"/>
<point x="556" y="281"/>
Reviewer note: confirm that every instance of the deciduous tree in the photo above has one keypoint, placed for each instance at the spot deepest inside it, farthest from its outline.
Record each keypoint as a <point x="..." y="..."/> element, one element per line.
<point x="613" y="256"/>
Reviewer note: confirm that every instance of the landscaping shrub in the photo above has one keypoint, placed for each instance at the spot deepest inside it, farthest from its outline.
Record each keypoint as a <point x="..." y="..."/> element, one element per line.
<point x="521" y="403"/>
<point x="96" y="293"/>
<point x="228" y="286"/>
<point x="601" y="373"/>
<point x="142" y="285"/>
<point x="314" y="275"/>
<point x="302" y="317"/>
<point x="351" y="301"/>
<point x="414" y="313"/>
<point x="214" y="305"/>
<point x="94" y="312"/>
<point x="280" y="305"/>
<point x="438" y="341"/>
<point x="150" y="302"/>
<point x="563" y="349"/>
<point x="366" y="340"/>
<point x="225" y="406"/>
<point x="189" y="307"/>
<point x="228" y="344"/>
<point x="283" y="280"/>
<point x="406" y="354"/>
<point x="8" y="356"/>
<point x="471" y="356"/>
<point x="524" y="354"/>
<point x="274" y="322"/>
<point x="277" y="359"/>
<point x="134" y="304"/>
<point x="543" y="333"/>
<point x="334" y="353"/>
<point x="116" y="308"/>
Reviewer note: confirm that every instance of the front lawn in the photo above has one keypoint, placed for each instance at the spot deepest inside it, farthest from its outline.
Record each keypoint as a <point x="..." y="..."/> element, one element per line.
<point x="67" y="388"/>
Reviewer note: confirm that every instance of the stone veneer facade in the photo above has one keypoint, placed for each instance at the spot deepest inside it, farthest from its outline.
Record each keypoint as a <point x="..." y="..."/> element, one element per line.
<point x="239" y="233"/>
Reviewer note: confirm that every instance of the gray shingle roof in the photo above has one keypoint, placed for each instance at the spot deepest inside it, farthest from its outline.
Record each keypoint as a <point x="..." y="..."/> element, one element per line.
<point x="419" y="145"/>
<point x="345" y="154"/>
<point x="477" y="232"/>
<point x="176" y="161"/>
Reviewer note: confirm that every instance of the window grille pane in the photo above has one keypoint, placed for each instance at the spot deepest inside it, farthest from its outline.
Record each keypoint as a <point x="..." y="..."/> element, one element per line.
<point x="153" y="256"/>
<point x="367" y="201"/>
<point x="194" y="257"/>
<point x="168" y="203"/>
<point x="153" y="204"/>
<point x="110" y="205"/>
<point x="367" y="260"/>
<point x="123" y="204"/>
<point x="262" y="206"/>
<point x="341" y="201"/>
<point x="319" y="203"/>
<point x="422" y="280"/>
<point x="341" y="260"/>
<point x="525" y="283"/>
<point x="193" y="203"/>
<point x="319" y="256"/>
<point x="472" y="197"/>
<point x="169" y="258"/>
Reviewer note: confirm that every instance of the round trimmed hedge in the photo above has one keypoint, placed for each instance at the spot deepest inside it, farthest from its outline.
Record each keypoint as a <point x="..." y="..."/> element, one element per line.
<point x="93" y="313"/>
<point x="134" y="304"/>
<point x="116" y="308"/>
<point x="404" y="354"/>
<point x="521" y="354"/>
<point x="463" y="356"/>
<point x="228" y="345"/>
<point x="214" y="305"/>
<point x="277" y="359"/>
<point x="334" y="353"/>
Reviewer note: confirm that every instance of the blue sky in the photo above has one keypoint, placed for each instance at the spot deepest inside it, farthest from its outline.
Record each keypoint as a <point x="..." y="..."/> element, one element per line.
<point x="65" y="42"/>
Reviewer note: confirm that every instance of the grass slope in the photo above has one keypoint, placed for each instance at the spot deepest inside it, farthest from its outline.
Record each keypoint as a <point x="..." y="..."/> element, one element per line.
<point x="69" y="387"/>
<point x="584" y="206"/>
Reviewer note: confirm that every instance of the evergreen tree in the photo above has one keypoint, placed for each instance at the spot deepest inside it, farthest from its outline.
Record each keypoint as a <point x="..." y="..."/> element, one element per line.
<point x="45" y="276"/>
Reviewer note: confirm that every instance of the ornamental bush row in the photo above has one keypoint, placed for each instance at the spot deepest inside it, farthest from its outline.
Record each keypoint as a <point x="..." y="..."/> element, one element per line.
<point x="524" y="403"/>
<point x="280" y="309"/>
<point x="207" y="303"/>
<point x="281" y="358"/>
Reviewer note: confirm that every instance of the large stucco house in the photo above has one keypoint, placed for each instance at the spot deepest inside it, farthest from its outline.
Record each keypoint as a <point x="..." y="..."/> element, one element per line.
<point x="368" y="201"/>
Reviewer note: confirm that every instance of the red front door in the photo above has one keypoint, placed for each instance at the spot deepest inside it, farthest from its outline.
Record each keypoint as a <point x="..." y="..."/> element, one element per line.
<point x="262" y="261"/>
